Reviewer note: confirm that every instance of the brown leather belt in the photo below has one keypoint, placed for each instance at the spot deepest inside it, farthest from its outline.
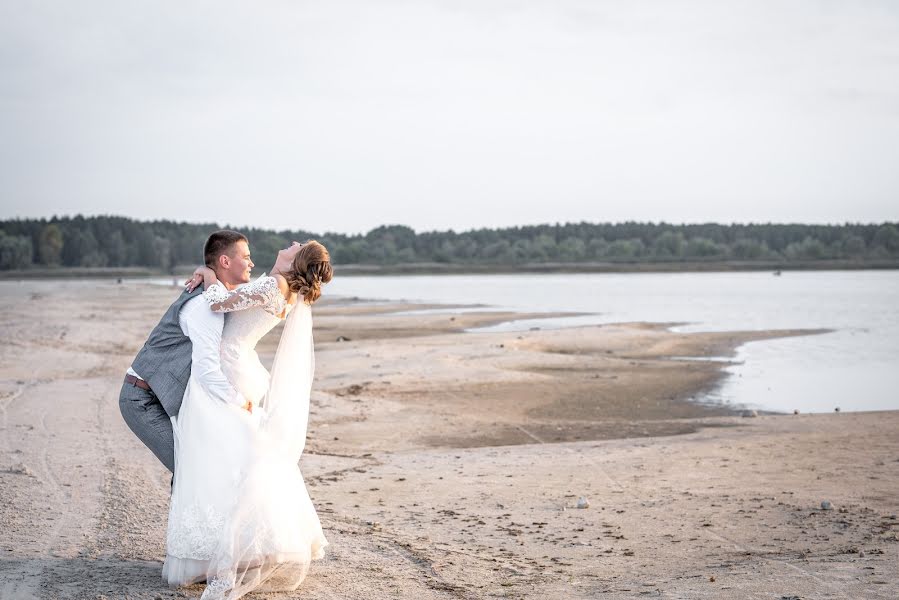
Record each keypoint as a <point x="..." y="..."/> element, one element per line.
<point x="137" y="382"/>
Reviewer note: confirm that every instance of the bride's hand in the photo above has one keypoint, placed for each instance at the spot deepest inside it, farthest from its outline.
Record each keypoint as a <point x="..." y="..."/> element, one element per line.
<point x="197" y="278"/>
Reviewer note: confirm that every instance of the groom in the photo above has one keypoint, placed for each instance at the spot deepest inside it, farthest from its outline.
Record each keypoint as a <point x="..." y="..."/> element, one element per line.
<point x="186" y="340"/>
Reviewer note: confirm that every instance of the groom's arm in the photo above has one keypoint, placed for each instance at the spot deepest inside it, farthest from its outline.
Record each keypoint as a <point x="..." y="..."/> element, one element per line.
<point x="204" y="328"/>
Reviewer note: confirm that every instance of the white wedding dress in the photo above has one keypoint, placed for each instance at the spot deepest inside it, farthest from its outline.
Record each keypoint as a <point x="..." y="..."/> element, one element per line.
<point x="240" y="515"/>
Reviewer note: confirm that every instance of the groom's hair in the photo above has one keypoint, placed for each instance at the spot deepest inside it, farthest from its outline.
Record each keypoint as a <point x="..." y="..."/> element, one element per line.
<point x="221" y="242"/>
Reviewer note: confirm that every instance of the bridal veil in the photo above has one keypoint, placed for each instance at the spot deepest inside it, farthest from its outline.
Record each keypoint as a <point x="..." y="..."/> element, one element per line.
<point x="272" y="533"/>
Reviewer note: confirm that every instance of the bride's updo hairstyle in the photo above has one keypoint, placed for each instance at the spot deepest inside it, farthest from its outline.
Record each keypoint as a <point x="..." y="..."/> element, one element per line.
<point x="310" y="269"/>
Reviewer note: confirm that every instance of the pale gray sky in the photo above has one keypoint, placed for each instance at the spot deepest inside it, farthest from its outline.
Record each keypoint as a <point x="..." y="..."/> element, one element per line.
<point x="341" y="115"/>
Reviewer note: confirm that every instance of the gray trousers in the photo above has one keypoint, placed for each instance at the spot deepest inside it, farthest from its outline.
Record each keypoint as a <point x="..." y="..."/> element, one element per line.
<point x="145" y="416"/>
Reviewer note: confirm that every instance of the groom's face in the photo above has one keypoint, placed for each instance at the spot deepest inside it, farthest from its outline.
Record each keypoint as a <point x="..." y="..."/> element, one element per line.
<point x="238" y="265"/>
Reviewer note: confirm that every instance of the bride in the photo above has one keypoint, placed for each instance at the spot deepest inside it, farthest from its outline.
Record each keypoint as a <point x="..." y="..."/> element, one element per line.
<point x="240" y="517"/>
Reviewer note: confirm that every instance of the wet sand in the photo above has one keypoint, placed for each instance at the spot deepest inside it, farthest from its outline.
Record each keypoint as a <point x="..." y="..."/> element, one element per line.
<point x="449" y="465"/>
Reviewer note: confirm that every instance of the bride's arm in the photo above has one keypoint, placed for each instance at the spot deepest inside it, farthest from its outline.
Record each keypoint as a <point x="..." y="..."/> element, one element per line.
<point x="281" y="266"/>
<point x="284" y="288"/>
<point x="203" y="275"/>
<point x="262" y="292"/>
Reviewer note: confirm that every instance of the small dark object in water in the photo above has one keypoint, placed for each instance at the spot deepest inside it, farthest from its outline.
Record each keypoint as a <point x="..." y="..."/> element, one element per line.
<point x="341" y="338"/>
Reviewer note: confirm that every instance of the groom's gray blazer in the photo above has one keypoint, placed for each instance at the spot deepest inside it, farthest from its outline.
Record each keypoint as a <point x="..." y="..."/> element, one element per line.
<point x="164" y="361"/>
<point x="187" y="338"/>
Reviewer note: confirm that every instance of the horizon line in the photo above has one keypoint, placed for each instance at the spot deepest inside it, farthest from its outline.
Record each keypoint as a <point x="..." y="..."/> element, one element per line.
<point x="453" y="230"/>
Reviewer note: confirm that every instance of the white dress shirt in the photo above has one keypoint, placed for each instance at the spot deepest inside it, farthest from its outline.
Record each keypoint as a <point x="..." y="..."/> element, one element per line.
<point x="204" y="328"/>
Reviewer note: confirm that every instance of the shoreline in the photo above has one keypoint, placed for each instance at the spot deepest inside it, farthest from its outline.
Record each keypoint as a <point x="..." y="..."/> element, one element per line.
<point x="46" y="273"/>
<point x="541" y="383"/>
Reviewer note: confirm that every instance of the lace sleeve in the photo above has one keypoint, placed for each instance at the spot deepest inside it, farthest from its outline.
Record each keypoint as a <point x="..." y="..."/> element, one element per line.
<point x="263" y="292"/>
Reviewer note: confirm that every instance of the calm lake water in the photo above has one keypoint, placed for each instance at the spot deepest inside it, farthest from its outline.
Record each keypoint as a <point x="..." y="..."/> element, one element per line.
<point x="854" y="367"/>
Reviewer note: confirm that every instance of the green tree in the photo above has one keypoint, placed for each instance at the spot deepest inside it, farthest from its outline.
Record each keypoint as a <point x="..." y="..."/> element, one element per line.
<point x="572" y="249"/>
<point x="162" y="249"/>
<point x="15" y="252"/>
<point x="669" y="245"/>
<point x="544" y="248"/>
<point x="700" y="247"/>
<point x="81" y="249"/>
<point x="352" y="252"/>
<point x="406" y="255"/>
<point x="749" y="249"/>
<point x="625" y="248"/>
<point x="49" y="247"/>
<point x="887" y="237"/>
<point x="498" y="252"/>
<point x="853" y="246"/>
<point x="523" y="251"/>
<point x="115" y="249"/>
<point x="809" y="248"/>
<point x="388" y="241"/>
<point x="597" y="248"/>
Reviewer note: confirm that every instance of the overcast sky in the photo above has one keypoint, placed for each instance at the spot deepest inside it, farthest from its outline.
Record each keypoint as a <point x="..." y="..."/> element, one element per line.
<point x="341" y="116"/>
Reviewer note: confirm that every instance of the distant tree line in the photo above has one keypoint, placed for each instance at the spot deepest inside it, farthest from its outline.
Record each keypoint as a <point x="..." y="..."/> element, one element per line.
<point x="108" y="241"/>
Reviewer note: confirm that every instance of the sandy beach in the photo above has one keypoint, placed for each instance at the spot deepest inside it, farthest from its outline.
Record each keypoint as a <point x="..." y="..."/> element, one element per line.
<point x="447" y="464"/>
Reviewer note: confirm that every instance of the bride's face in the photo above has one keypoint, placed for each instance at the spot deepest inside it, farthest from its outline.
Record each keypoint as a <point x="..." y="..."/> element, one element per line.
<point x="286" y="255"/>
